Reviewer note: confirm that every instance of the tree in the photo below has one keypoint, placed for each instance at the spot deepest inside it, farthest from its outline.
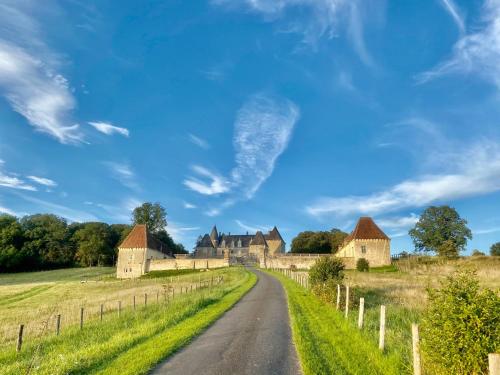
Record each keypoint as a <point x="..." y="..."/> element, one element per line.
<point x="326" y="269"/>
<point x="11" y="243"/>
<point x="46" y="242"/>
<point x="495" y="249"/>
<point x="176" y="248"/>
<point x="94" y="245"/>
<point x="441" y="230"/>
<point x="318" y="242"/>
<point x="151" y="214"/>
<point x="362" y="265"/>
<point x="477" y="253"/>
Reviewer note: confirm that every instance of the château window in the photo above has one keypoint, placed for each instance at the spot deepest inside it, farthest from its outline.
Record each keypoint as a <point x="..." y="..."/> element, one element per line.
<point x="239" y="243"/>
<point x="363" y="249"/>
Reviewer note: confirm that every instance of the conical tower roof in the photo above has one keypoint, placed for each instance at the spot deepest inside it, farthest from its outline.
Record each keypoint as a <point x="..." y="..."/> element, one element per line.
<point x="275" y="235"/>
<point x="366" y="229"/>
<point x="214" y="235"/>
<point x="206" y="241"/>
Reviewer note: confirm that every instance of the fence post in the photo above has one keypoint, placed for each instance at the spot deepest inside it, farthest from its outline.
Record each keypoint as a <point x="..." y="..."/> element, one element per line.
<point x="346" y="301"/>
<point x="134" y="302"/>
<point x="20" y="338"/>
<point x="157" y="297"/>
<point x="81" y="317"/>
<point x="381" y="338"/>
<point x="338" y="296"/>
<point x="417" y="370"/>
<point x="58" y="324"/>
<point x="145" y="299"/>
<point x="361" y="312"/>
<point x="119" y="308"/>
<point x="101" y="311"/>
<point x="494" y="363"/>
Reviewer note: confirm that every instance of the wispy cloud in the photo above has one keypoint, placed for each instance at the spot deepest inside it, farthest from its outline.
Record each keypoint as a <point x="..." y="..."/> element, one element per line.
<point x="486" y="230"/>
<point x="123" y="173"/>
<point x="189" y="206"/>
<point x="43" y="181"/>
<point x="28" y="75"/>
<point x="476" y="172"/>
<point x="398" y="222"/>
<point x="5" y="210"/>
<point x="314" y="19"/>
<point x="11" y="180"/>
<point x="455" y="13"/>
<point x="207" y="182"/>
<point x="121" y="211"/>
<point x="109" y="129"/>
<point x="477" y="52"/>
<point x="252" y="228"/>
<point x="180" y="232"/>
<point x="262" y="130"/>
<point x="200" y="142"/>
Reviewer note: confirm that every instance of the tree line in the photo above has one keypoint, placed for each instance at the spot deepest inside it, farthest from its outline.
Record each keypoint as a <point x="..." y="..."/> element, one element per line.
<point x="440" y="230"/>
<point x="47" y="241"/>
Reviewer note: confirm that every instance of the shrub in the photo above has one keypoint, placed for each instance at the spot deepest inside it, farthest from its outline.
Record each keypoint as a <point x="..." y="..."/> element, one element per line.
<point x="477" y="253"/>
<point x="495" y="249"/>
<point x="326" y="268"/>
<point x="362" y="265"/>
<point x="460" y="326"/>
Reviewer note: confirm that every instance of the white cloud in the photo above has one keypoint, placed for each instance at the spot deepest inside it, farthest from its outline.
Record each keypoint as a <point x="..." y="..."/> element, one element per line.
<point x="5" y="210"/>
<point x="477" y="172"/>
<point x="28" y="75"/>
<point x="11" y="180"/>
<point x="121" y="211"/>
<point x="398" y="222"/>
<point x="455" y="13"/>
<point x="263" y="128"/>
<point x="477" y="52"/>
<point x="315" y="19"/>
<point x="486" y="230"/>
<point x="43" y="181"/>
<point x="189" y="206"/>
<point x="253" y="228"/>
<point x="212" y="184"/>
<point x="179" y="232"/>
<point x="109" y="129"/>
<point x="123" y="173"/>
<point x="66" y="212"/>
<point x="200" y="142"/>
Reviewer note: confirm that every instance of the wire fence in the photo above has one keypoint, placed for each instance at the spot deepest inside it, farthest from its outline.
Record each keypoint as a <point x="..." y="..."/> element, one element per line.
<point x="62" y="316"/>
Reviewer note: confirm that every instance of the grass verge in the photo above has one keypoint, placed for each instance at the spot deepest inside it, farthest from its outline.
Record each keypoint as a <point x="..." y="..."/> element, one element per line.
<point x="134" y="342"/>
<point x="327" y="343"/>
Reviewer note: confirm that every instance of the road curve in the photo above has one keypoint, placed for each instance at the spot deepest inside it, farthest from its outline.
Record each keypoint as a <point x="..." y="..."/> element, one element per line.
<point x="253" y="337"/>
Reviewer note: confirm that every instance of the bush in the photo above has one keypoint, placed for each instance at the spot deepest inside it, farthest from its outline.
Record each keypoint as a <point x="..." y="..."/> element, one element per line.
<point x="325" y="269"/>
<point x="362" y="265"/>
<point x="460" y="326"/>
<point x="495" y="249"/>
<point x="477" y="253"/>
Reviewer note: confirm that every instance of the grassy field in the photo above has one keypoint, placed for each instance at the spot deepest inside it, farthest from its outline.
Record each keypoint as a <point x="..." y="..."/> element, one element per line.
<point x="329" y="343"/>
<point x="32" y="298"/>
<point x="108" y="346"/>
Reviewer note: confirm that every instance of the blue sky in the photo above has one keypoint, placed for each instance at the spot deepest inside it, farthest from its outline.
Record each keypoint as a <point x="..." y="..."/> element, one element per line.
<point x="251" y="113"/>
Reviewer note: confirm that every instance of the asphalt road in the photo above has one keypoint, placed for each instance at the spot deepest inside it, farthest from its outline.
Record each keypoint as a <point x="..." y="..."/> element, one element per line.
<point x="253" y="337"/>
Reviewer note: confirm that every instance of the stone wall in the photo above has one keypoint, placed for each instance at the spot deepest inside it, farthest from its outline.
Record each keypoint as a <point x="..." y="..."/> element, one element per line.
<point x="376" y="252"/>
<point x="299" y="261"/>
<point x="188" y="263"/>
<point x="134" y="262"/>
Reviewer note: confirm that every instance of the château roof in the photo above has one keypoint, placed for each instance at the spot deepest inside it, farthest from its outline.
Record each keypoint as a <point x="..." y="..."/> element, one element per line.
<point x="214" y="234"/>
<point x="274" y="235"/>
<point x="206" y="241"/>
<point x="366" y="229"/>
<point x="259" y="239"/>
<point x="140" y="238"/>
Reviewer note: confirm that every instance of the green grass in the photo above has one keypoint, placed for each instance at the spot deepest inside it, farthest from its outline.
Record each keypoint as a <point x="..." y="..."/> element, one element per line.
<point x="327" y="343"/>
<point x="133" y="343"/>
<point x="62" y="275"/>
<point x="169" y="273"/>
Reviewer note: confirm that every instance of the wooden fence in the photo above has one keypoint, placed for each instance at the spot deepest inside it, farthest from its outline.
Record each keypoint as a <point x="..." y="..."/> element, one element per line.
<point x="53" y="324"/>
<point x="302" y="278"/>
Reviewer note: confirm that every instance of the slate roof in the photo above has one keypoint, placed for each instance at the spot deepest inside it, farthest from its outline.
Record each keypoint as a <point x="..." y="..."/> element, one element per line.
<point x="229" y="238"/>
<point x="206" y="241"/>
<point x="274" y="235"/>
<point x="259" y="239"/>
<point x="140" y="238"/>
<point x="366" y="229"/>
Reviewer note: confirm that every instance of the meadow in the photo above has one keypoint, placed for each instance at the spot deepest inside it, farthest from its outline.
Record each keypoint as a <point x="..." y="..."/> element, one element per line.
<point x="108" y="346"/>
<point x="327" y="342"/>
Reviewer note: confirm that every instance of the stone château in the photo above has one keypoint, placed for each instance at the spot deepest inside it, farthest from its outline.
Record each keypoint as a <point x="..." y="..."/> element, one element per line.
<point x="217" y="244"/>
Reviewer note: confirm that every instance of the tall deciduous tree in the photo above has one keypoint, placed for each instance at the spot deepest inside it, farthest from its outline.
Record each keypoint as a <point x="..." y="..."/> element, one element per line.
<point x="151" y="214"/>
<point x="441" y="230"/>
<point x="318" y="242"/>
<point x="11" y="243"/>
<point x="495" y="249"/>
<point x="94" y="245"/>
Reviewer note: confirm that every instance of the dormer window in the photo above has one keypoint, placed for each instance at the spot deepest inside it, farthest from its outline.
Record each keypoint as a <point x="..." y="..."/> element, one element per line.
<point x="239" y="243"/>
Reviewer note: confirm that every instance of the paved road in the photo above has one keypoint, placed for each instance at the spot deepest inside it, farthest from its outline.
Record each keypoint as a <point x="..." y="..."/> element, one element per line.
<point x="253" y="337"/>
